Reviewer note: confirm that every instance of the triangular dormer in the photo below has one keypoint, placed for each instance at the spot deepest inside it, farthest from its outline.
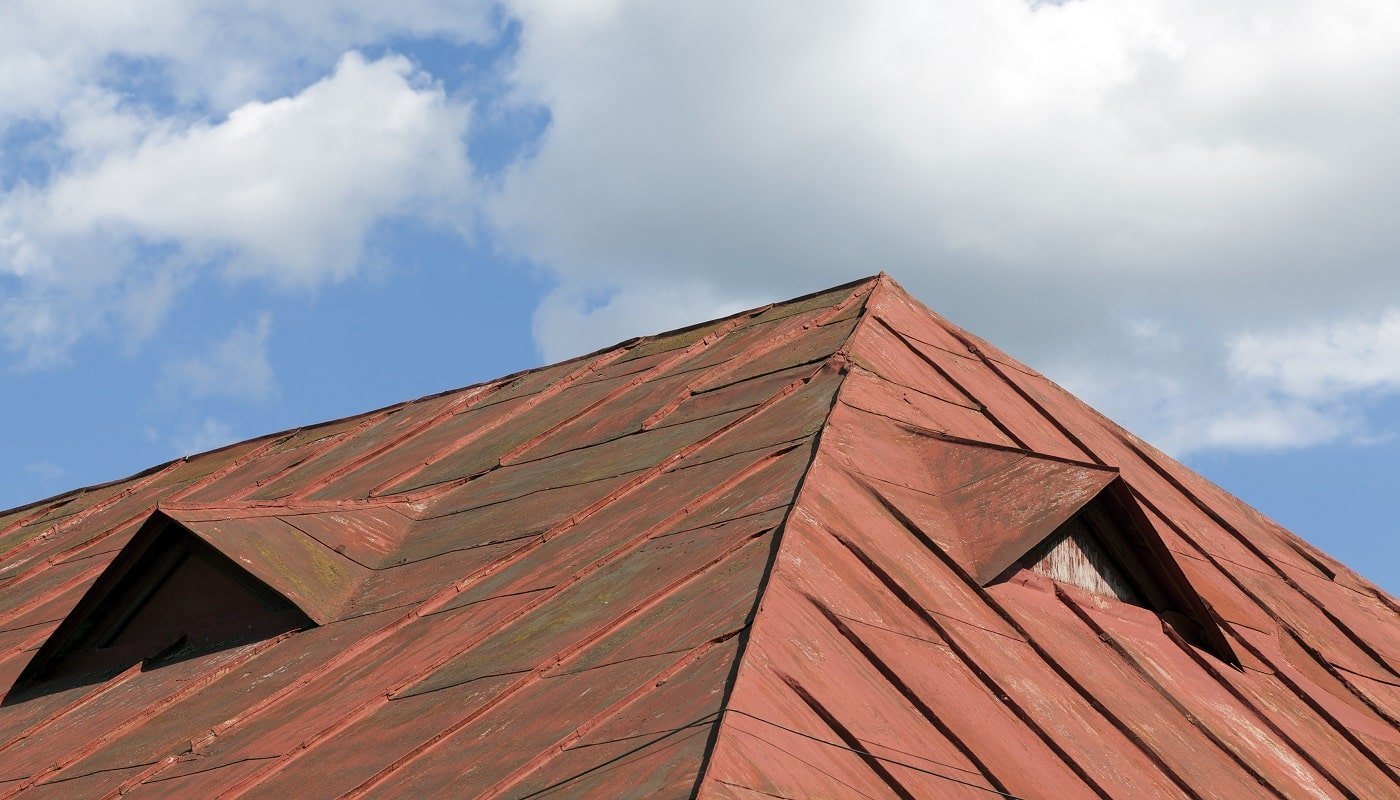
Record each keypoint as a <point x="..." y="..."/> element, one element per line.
<point x="168" y="594"/>
<point x="1108" y="549"/>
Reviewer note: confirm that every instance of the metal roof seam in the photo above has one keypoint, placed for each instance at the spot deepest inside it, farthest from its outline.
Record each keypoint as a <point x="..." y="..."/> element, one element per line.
<point x="852" y="743"/>
<point x="194" y="686"/>
<point x="318" y="449"/>
<point x="943" y="436"/>
<point x="1298" y="749"/>
<point x="1271" y="613"/>
<point x="973" y="666"/>
<point x="992" y="685"/>
<point x="43" y="597"/>
<point x="385" y="487"/>
<point x="725" y="368"/>
<point x="78" y="702"/>
<point x="700" y="345"/>
<point x="814" y="767"/>
<point x="956" y="384"/>
<point x="453" y="589"/>
<point x="535" y="674"/>
<point x="891" y="677"/>
<point x="1025" y="397"/>
<point x="456" y="406"/>
<point x="687" y="659"/>
<point x="1117" y="648"/>
<point x="72" y="520"/>
<point x="1249" y="544"/>
<point x="1324" y="713"/>
<point x="970" y="405"/>
<point x="746" y="636"/>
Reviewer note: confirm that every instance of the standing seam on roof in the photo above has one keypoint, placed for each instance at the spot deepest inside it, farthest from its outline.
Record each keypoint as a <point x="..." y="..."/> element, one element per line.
<point x="852" y="742"/>
<point x="1259" y="714"/>
<point x="726" y="368"/>
<point x="1117" y="648"/>
<point x="1327" y="716"/>
<point x="910" y="696"/>
<point x="69" y="521"/>
<point x="370" y="706"/>
<point x="991" y="365"/>
<point x="444" y="596"/>
<point x="747" y="635"/>
<point x="456" y="406"/>
<point x="1253" y="548"/>
<point x="193" y="687"/>
<point x="525" y="405"/>
<point x="703" y="344"/>
<point x="986" y="412"/>
<point x="984" y="677"/>
<point x="1322" y="712"/>
<point x="530" y="767"/>
<point x="331" y="442"/>
<point x="1045" y="656"/>
<point x="111" y="683"/>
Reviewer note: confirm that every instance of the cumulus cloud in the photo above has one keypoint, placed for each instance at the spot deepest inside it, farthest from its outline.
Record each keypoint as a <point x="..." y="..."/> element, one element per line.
<point x="236" y="367"/>
<point x="284" y="191"/>
<point x="1049" y="175"/>
<point x="1323" y="361"/>
<point x="291" y="185"/>
<point x="214" y="55"/>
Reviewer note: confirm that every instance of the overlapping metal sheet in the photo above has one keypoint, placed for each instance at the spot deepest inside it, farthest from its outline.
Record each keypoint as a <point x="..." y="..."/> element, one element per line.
<point x="762" y="557"/>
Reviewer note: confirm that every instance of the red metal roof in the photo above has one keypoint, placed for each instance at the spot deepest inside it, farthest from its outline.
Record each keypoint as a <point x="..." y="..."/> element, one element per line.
<point x="769" y="556"/>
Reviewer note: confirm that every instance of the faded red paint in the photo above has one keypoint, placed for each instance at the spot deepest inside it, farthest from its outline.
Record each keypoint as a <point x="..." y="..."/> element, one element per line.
<point x="761" y="557"/>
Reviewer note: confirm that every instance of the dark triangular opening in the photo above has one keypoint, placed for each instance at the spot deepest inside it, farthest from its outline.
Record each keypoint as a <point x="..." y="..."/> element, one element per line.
<point x="166" y="596"/>
<point x="1109" y="549"/>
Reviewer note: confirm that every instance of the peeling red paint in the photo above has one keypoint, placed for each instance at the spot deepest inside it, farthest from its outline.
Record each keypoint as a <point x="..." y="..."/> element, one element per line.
<point x="761" y="557"/>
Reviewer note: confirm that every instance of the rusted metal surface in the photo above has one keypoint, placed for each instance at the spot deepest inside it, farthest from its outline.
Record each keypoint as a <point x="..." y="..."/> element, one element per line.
<point x="774" y="555"/>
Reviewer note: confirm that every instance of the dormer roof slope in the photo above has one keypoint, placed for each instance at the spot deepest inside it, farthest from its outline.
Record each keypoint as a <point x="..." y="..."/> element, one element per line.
<point x="796" y="552"/>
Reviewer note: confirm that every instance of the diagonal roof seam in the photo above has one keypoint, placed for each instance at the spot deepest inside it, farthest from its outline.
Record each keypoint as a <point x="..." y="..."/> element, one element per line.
<point x="43" y="504"/>
<point x="688" y="658"/>
<point x="457" y="586"/>
<point x="746" y="636"/>
<point x="1118" y="650"/>
<point x="1069" y="680"/>
<point x="365" y="709"/>
<point x="1283" y="626"/>
<point x="1252" y="547"/>
<point x="987" y="412"/>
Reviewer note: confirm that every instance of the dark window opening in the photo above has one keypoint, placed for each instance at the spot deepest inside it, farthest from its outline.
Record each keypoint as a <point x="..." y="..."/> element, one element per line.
<point x="166" y="597"/>
<point x="1109" y="549"/>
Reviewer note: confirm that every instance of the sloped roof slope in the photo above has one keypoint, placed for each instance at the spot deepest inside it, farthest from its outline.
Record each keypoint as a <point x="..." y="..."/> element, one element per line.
<point x="784" y="554"/>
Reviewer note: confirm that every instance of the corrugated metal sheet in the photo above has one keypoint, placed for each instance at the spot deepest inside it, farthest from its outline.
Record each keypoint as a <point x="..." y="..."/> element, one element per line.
<point x="763" y="557"/>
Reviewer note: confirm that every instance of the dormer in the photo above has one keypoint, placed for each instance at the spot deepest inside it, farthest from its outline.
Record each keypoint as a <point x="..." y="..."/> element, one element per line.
<point x="167" y="594"/>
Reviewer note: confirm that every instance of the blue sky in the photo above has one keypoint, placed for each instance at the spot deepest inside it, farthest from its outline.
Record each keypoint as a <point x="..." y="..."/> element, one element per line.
<point x="223" y="220"/>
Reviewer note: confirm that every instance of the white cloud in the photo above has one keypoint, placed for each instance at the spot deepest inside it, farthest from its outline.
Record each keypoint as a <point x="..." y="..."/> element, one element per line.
<point x="285" y="191"/>
<point x="291" y="185"/>
<point x="1043" y="174"/>
<point x="236" y="367"/>
<point x="1322" y="361"/>
<point x="215" y="54"/>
